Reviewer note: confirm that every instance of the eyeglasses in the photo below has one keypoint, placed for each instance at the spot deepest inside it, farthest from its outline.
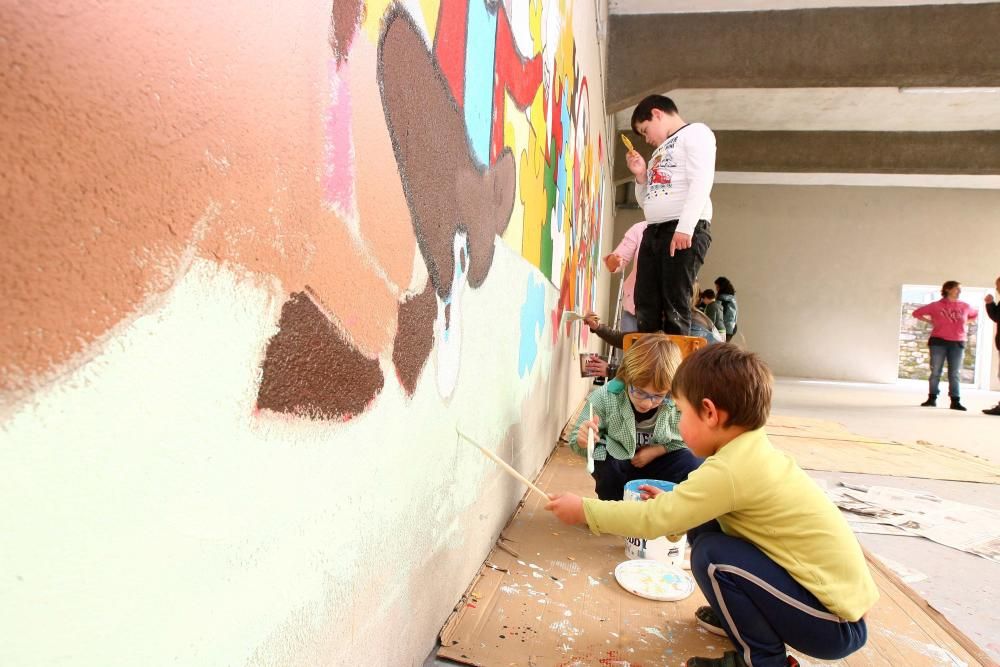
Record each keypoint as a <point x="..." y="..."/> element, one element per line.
<point x="640" y="395"/>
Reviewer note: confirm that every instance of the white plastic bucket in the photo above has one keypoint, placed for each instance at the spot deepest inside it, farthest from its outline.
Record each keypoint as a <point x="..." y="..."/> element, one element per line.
<point x="660" y="548"/>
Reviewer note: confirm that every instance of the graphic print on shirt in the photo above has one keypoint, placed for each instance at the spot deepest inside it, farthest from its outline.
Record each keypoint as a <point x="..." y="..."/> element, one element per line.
<point x="658" y="175"/>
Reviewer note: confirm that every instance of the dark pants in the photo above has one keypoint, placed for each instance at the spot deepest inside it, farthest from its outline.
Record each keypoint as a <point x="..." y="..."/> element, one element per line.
<point x="954" y="351"/>
<point x="663" y="284"/>
<point x="612" y="475"/>
<point x="761" y="606"/>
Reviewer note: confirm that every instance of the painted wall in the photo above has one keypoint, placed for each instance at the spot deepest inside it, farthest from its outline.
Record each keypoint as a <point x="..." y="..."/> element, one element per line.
<point x="258" y="267"/>
<point x="818" y="270"/>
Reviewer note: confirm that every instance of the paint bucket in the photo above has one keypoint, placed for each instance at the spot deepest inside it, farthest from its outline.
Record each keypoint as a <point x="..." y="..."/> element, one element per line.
<point x="661" y="548"/>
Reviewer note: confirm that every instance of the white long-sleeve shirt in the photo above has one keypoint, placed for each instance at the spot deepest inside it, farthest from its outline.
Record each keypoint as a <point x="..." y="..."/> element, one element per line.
<point x="679" y="179"/>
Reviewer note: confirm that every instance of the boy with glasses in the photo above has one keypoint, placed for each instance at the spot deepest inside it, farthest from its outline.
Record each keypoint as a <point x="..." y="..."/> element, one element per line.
<point x="635" y="422"/>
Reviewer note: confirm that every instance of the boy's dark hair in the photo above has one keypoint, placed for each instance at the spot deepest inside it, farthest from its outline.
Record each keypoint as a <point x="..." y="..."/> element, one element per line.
<point x="708" y="294"/>
<point x="948" y="286"/>
<point x="725" y="287"/>
<point x="644" y="110"/>
<point x="737" y="381"/>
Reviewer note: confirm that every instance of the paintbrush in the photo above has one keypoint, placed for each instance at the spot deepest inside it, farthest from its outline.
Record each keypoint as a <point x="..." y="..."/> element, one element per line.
<point x="628" y="144"/>
<point x="590" y="444"/>
<point x="503" y="464"/>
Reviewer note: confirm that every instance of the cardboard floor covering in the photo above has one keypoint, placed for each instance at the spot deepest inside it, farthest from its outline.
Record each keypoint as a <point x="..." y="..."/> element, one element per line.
<point x="818" y="444"/>
<point x="547" y="597"/>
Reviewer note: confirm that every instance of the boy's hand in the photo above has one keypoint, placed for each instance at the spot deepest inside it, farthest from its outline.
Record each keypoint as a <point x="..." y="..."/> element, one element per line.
<point x="591" y="425"/>
<point x="646" y="454"/>
<point x="597" y="367"/>
<point x="614" y="262"/>
<point x="680" y="241"/>
<point x="647" y="491"/>
<point x="591" y="320"/>
<point x="637" y="165"/>
<point x="567" y="507"/>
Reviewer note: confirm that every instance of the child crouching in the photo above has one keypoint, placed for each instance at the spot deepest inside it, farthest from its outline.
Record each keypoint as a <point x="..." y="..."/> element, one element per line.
<point x="776" y="561"/>
<point x="635" y="422"/>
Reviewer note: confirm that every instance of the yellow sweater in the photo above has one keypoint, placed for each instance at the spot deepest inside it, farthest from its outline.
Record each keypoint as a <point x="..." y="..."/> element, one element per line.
<point x="760" y="495"/>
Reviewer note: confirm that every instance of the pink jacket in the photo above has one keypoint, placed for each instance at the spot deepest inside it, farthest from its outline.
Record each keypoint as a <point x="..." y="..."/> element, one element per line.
<point x="628" y="250"/>
<point x="948" y="318"/>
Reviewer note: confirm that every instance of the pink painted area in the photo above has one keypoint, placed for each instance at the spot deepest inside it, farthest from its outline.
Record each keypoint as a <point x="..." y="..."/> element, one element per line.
<point x="338" y="170"/>
<point x="383" y="214"/>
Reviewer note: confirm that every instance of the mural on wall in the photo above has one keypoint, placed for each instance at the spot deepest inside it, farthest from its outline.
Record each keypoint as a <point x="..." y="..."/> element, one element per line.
<point x="274" y="245"/>
<point x="490" y="136"/>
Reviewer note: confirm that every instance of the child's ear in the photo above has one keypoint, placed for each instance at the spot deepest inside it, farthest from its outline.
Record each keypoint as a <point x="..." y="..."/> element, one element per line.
<point x="712" y="414"/>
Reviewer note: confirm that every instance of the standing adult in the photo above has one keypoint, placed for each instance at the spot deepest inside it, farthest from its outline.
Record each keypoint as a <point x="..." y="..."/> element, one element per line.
<point x="674" y="191"/>
<point x="948" y="317"/>
<point x="726" y="296"/>
<point x="993" y="310"/>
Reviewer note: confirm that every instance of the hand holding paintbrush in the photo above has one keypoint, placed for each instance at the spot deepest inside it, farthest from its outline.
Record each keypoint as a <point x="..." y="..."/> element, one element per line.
<point x="636" y="163"/>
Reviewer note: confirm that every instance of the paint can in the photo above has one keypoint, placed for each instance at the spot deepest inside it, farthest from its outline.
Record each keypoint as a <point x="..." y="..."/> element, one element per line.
<point x="660" y="548"/>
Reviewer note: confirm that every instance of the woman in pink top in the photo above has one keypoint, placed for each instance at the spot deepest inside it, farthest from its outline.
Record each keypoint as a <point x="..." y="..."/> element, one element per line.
<point x="948" y="317"/>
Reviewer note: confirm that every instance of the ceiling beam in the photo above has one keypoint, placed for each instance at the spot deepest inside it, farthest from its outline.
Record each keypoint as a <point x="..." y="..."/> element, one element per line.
<point x="968" y="153"/>
<point x="918" y="46"/>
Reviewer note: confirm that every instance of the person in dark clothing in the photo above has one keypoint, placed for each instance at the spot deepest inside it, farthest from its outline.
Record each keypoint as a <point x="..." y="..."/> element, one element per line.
<point x="726" y="296"/>
<point x="993" y="310"/>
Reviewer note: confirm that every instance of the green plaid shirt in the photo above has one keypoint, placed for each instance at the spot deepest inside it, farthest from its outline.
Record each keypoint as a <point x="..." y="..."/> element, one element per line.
<point x="616" y="436"/>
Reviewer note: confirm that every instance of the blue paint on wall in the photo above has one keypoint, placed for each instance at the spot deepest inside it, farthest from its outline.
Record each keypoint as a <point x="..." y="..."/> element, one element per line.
<point x="532" y="325"/>
<point x="479" y="65"/>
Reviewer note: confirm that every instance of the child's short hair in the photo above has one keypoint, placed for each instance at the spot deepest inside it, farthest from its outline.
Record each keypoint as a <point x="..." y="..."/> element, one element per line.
<point x="708" y="294"/>
<point x="644" y="110"/>
<point x="652" y="361"/>
<point x="737" y="381"/>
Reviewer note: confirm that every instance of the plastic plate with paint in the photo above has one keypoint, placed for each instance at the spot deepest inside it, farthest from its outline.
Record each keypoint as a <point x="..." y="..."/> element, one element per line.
<point x="654" y="580"/>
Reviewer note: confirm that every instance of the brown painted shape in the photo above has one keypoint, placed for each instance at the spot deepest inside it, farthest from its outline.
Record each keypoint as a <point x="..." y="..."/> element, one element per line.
<point x="415" y="337"/>
<point x="345" y="18"/>
<point x="310" y="370"/>
<point x="446" y="190"/>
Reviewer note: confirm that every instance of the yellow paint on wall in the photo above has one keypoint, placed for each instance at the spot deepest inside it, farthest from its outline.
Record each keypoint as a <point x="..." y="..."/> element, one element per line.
<point x="431" y="9"/>
<point x="516" y="133"/>
<point x="372" y="25"/>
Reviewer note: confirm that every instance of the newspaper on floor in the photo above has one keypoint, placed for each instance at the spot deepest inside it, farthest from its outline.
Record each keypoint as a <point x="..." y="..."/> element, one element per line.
<point x="957" y="525"/>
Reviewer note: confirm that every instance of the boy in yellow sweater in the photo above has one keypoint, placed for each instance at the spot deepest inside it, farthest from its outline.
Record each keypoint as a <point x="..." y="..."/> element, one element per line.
<point x="773" y="556"/>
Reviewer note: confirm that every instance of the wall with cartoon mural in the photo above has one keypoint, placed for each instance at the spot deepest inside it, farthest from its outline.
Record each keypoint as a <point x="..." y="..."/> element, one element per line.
<point x="259" y="264"/>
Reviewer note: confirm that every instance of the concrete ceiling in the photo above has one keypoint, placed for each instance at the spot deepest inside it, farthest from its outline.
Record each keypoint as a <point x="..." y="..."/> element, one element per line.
<point x="837" y="109"/>
<point x="693" y="6"/>
<point x="849" y="87"/>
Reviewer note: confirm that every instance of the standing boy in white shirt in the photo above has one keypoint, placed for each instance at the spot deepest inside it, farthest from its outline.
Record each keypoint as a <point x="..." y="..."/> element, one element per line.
<point x="674" y="192"/>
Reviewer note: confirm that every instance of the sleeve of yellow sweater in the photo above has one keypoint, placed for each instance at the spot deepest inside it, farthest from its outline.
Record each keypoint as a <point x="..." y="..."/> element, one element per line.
<point x="707" y="494"/>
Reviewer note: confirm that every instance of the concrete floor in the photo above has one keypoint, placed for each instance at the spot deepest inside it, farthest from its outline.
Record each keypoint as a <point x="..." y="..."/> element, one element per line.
<point x="957" y="583"/>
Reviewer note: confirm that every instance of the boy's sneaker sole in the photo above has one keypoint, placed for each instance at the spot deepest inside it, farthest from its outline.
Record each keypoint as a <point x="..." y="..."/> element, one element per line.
<point x="706" y="618"/>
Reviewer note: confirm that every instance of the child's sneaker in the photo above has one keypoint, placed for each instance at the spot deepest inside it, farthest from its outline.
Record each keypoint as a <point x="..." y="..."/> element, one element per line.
<point x="730" y="659"/>
<point x="708" y="619"/>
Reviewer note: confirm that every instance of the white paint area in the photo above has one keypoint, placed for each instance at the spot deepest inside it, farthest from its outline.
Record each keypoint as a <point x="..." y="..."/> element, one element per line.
<point x="879" y="109"/>
<point x="150" y="517"/>
<point x="939" y="655"/>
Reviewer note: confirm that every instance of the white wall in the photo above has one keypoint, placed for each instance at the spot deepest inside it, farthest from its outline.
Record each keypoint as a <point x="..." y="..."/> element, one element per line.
<point x="818" y="269"/>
